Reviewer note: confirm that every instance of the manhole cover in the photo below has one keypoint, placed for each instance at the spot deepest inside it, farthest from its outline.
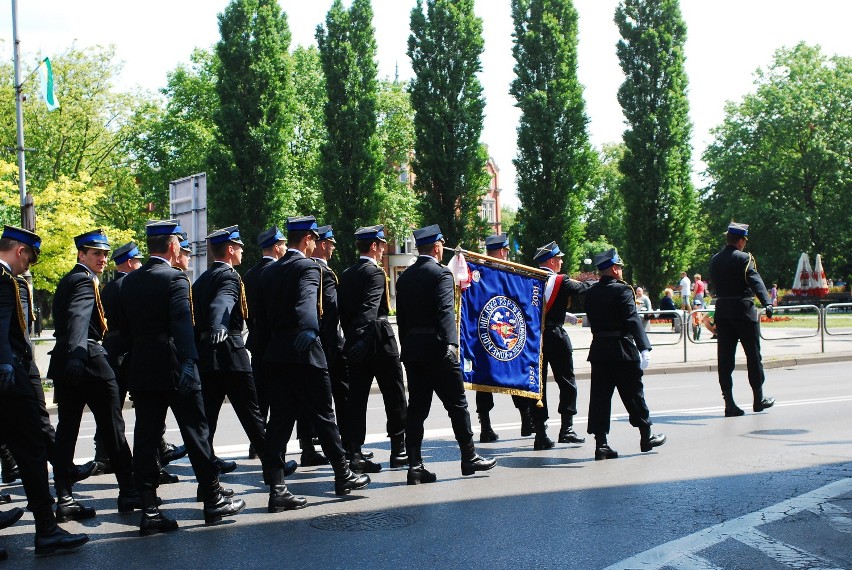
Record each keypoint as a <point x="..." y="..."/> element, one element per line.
<point x="361" y="521"/>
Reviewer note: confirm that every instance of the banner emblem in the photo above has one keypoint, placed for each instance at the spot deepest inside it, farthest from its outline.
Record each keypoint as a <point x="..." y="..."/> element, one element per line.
<point x="502" y="328"/>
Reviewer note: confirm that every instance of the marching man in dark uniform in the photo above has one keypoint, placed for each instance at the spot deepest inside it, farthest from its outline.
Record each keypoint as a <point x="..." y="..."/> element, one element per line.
<point x="497" y="246"/>
<point x="430" y="352"/>
<point x="156" y="315"/>
<point x="273" y="244"/>
<point x="296" y="370"/>
<point x="127" y="258"/>
<point x="371" y="350"/>
<point x="619" y="354"/>
<point x="557" y="351"/>
<point x="21" y="421"/>
<point x="220" y="306"/>
<point x="331" y="337"/>
<point x="734" y="275"/>
<point x="83" y="376"/>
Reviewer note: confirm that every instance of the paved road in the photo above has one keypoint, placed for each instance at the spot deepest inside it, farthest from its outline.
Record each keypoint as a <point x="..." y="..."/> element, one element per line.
<point x="770" y="490"/>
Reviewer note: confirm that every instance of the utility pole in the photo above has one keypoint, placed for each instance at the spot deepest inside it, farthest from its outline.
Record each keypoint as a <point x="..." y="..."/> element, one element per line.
<point x="27" y="206"/>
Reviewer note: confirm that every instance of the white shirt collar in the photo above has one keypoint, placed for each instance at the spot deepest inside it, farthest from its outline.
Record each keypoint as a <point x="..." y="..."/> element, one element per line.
<point x="321" y="261"/>
<point x="7" y="266"/>
<point x="376" y="263"/>
<point x="296" y="251"/>
<point x="163" y="259"/>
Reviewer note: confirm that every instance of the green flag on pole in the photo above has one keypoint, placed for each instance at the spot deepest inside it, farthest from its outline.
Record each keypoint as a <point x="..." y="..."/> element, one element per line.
<point x="45" y="73"/>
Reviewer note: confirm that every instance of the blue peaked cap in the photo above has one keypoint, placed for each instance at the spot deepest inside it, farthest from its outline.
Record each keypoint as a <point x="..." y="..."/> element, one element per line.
<point x="738" y="229"/>
<point x="498" y="241"/>
<point x="230" y="234"/>
<point x="607" y="259"/>
<point x="326" y="233"/>
<point x="371" y="233"/>
<point x="163" y="228"/>
<point x="302" y="224"/>
<point x="270" y="237"/>
<point x="546" y="252"/>
<point x="23" y="236"/>
<point x="125" y="253"/>
<point x="94" y="239"/>
<point x="427" y="235"/>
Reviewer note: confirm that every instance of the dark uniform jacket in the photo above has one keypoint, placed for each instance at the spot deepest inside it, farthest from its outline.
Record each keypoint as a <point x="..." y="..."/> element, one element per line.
<point x="219" y="301"/>
<point x="15" y="348"/>
<point x="26" y="293"/>
<point x="617" y="330"/>
<point x="330" y="333"/>
<point x="80" y="325"/>
<point x="425" y="311"/>
<point x="364" y="308"/>
<point x="736" y="281"/>
<point x="156" y="317"/>
<point x="557" y="306"/>
<point x="250" y="282"/>
<point x="288" y="303"/>
<point x="114" y="343"/>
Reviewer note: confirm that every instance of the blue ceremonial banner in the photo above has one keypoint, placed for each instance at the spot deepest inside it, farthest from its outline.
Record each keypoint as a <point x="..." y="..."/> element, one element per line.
<point x="500" y="320"/>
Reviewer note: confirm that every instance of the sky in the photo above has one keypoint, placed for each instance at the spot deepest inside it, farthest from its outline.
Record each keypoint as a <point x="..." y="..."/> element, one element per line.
<point x="727" y="40"/>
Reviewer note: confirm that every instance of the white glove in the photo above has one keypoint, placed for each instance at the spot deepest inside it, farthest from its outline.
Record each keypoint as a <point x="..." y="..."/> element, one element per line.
<point x="571" y="318"/>
<point x="217" y="335"/>
<point x="644" y="359"/>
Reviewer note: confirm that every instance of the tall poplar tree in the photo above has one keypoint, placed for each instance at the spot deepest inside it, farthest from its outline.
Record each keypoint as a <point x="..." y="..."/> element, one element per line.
<point x="660" y="201"/>
<point x="449" y="162"/>
<point x="351" y="167"/>
<point x="555" y="163"/>
<point x="253" y="82"/>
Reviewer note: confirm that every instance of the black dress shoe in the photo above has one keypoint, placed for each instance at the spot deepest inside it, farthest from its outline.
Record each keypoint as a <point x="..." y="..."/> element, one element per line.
<point x="225" y="466"/>
<point x="5" y="498"/>
<point x="570" y="436"/>
<point x="154" y="522"/>
<point x="68" y="509"/>
<point x="733" y="411"/>
<point x="313" y="459"/>
<point x="418" y="474"/>
<point x="351" y="482"/>
<point x="10" y="517"/>
<point x="167" y="478"/>
<point x="359" y="464"/>
<point x="543" y="442"/>
<point x="221" y="490"/>
<point x="281" y="499"/>
<point x="252" y="454"/>
<point x="220" y="506"/>
<point x="654" y="440"/>
<point x="170" y="452"/>
<point x="290" y="467"/>
<point x="477" y="463"/>
<point x="764" y="403"/>
<point x="605" y="452"/>
<point x="56" y="539"/>
<point x="84" y="471"/>
<point x="367" y="454"/>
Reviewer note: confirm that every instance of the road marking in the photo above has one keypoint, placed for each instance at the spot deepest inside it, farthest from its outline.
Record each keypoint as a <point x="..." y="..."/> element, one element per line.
<point x="837" y="517"/>
<point x="743" y="530"/>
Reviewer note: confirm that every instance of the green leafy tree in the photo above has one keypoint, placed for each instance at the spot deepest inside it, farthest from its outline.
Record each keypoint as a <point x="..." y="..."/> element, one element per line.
<point x="780" y="161"/>
<point x="449" y="161"/>
<point x="606" y="215"/>
<point x="658" y="193"/>
<point x="254" y="119"/>
<point x="396" y="134"/>
<point x="555" y="163"/>
<point x="351" y="168"/>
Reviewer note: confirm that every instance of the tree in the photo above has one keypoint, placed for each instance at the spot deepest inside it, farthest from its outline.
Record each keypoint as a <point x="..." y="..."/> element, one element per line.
<point x="396" y="135"/>
<point x="449" y="161"/>
<point x="176" y="140"/>
<point x="351" y="167"/>
<point x="254" y="119"/>
<point x="555" y="163"/>
<point x="658" y="194"/>
<point x="780" y="162"/>
<point x="606" y="216"/>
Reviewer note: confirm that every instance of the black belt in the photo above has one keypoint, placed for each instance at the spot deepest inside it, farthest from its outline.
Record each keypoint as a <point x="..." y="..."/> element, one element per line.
<point x="553" y="323"/>
<point x="158" y="337"/>
<point x="111" y="334"/>
<point x="423" y="330"/>
<point x="609" y="334"/>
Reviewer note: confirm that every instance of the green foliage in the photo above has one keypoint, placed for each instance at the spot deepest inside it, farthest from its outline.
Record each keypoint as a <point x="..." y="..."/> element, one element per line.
<point x="176" y="140"/>
<point x="351" y="166"/>
<point x="780" y="162"/>
<point x="254" y="119"/>
<point x="396" y="133"/>
<point x="555" y="163"/>
<point x="658" y="195"/>
<point x="606" y="214"/>
<point x="449" y="162"/>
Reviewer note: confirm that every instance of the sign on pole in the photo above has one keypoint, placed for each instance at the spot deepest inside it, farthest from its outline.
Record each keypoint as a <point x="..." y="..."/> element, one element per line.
<point x="188" y="203"/>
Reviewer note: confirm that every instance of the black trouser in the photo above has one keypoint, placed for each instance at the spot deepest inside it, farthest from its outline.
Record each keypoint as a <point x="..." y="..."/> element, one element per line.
<point x="485" y="402"/>
<point x="258" y="373"/>
<point x="626" y="376"/>
<point x="151" y="408"/>
<point x="240" y="390"/>
<point x="444" y="379"/>
<point x="293" y="387"/>
<point x="103" y="400"/>
<point x="22" y="429"/>
<point x="46" y="427"/>
<point x="728" y="332"/>
<point x="387" y="370"/>
<point x="121" y="378"/>
<point x="558" y="354"/>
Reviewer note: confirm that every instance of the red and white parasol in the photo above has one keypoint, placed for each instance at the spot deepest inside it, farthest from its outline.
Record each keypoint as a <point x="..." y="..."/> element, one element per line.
<point x="819" y="284"/>
<point x="802" y="280"/>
